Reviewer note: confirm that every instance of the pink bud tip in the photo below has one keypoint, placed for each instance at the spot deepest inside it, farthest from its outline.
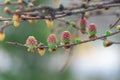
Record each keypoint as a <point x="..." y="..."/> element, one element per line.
<point x="83" y="21"/>
<point x="66" y="35"/>
<point x="31" y="41"/>
<point x="52" y="38"/>
<point x="92" y="26"/>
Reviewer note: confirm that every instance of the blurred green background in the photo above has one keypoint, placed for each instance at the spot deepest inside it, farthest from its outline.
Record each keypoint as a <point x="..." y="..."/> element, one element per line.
<point x="23" y="65"/>
<point x="18" y="64"/>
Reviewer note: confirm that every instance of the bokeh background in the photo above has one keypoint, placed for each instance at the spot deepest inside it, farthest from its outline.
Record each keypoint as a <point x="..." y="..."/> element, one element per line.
<point x="91" y="61"/>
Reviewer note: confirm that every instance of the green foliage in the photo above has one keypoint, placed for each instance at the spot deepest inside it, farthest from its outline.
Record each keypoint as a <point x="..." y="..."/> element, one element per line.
<point x="118" y="27"/>
<point x="72" y="23"/>
<point x="92" y="33"/>
<point x="83" y="26"/>
<point x="77" y="41"/>
<point x="107" y="32"/>
<point x="52" y="45"/>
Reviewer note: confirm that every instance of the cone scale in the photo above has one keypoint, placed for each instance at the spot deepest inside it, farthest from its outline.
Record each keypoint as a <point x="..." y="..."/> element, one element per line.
<point x="92" y="30"/>
<point x="83" y="24"/>
<point x="66" y="39"/>
<point x="52" y="40"/>
<point x="31" y="43"/>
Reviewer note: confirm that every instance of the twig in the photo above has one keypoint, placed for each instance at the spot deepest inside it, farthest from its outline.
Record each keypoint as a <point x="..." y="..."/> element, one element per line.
<point x="115" y="42"/>
<point x="5" y="19"/>
<point x="2" y="27"/>
<point x="68" y="59"/>
<point x="11" y="3"/>
<point x="16" y="43"/>
<point x="67" y="22"/>
<point x="113" y="25"/>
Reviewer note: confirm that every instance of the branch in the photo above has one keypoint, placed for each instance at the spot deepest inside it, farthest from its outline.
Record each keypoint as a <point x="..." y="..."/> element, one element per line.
<point x="16" y="43"/>
<point x="73" y="44"/>
<point x="58" y="13"/>
<point x="10" y="3"/>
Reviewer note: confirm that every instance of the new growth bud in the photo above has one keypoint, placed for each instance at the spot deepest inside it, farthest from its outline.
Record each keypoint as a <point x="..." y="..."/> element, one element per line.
<point x="16" y="24"/>
<point x="108" y="32"/>
<point x="87" y="14"/>
<point x="77" y="40"/>
<point x="52" y="40"/>
<point x="40" y="49"/>
<point x="31" y="43"/>
<point x="7" y="1"/>
<point x="2" y="35"/>
<point x="16" y="19"/>
<point x="6" y="22"/>
<point x="107" y="43"/>
<point x="56" y="2"/>
<point x="31" y="20"/>
<point x="92" y="30"/>
<point x="20" y="1"/>
<point x="30" y="5"/>
<point x="83" y="24"/>
<point x="66" y="38"/>
<point x="118" y="27"/>
<point x="49" y="22"/>
<point x="6" y="9"/>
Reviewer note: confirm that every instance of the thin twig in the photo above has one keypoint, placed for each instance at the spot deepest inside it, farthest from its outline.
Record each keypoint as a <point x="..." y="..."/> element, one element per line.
<point x="113" y="25"/>
<point x="16" y="43"/>
<point x="115" y="42"/>
<point x="68" y="59"/>
<point x="11" y="3"/>
<point x="68" y="23"/>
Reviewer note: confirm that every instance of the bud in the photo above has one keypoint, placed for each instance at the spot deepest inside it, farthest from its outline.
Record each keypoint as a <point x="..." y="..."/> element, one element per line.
<point x="87" y="14"/>
<point x="16" y="24"/>
<point x="31" y="43"/>
<point x="118" y="27"/>
<point x="30" y="5"/>
<point x="32" y="21"/>
<point x="52" y="40"/>
<point x="66" y="38"/>
<point x="56" y="2"/>
<point x="92" y="30"/>
<point x="83" y="24"/>
<point x="6" y="9"/>
<point x="2" y="35"/>
<point x="16" y="17"/>
<point x="107" y="43"/>
<point x="77" y="40"/>
<point x="72" y="24"/>
<point x="41" y="50"/>
<point x="108" y="32"/>
<point x="6" y="22"/>
<point x="17" y="10"/>
<point x="20" y="1"/>
<point x="84" y="4"/>
<point x="49" y="22"/>
<point x="7" y="1"/>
